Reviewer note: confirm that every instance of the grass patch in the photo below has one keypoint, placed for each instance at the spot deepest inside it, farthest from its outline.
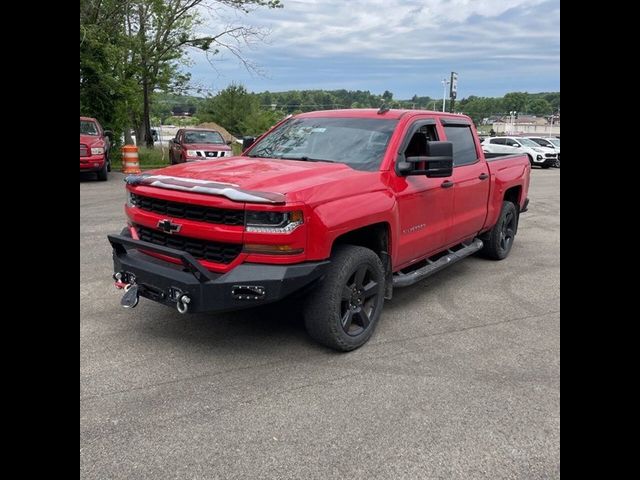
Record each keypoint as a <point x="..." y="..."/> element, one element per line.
<point x="148" y="157"/>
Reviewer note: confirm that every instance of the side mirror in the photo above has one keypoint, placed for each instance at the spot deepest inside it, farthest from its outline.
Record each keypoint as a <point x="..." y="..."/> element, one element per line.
<point x="228" y="142"/>
<point x="516" y="145"/>
<point x="109" y="134"/>
<point x="437" y="163"/>
<point x="247" y="142"/>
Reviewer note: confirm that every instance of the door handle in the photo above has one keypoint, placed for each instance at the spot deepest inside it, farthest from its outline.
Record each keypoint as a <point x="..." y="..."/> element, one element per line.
<point x="483" y="176"/>
<point x="446" y="184"/>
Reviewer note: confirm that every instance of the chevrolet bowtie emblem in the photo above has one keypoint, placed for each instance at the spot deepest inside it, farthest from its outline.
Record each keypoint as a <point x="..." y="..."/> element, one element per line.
<point x="167" y="226"/>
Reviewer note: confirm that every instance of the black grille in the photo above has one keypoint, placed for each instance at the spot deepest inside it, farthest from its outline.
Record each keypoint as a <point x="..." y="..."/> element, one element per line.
<point x="201" y="249"/>
<point x="84" y="151"/>
<point x="190" y="212"/>
<point x="550" y="155"/>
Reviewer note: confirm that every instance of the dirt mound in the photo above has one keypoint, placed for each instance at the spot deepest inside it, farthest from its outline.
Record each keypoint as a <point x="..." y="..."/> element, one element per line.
<point x="214" y="126"/>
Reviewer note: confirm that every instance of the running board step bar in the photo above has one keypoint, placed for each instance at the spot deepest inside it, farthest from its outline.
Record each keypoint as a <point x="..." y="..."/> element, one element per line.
<point x="406" y="279"/>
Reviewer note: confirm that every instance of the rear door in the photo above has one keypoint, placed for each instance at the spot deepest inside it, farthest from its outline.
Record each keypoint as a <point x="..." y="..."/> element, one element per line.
<point x="470" y="179"/>
<point x="496" y="145"/>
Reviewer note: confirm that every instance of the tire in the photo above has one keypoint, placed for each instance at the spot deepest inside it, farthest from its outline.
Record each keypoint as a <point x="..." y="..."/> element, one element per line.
<point x="499" y="240"/>
<point x="557" y="164"/>
<point x="545" y="166"/>
<point x="102" y="173"/>
<point x="343" y="310"/>
<point x="108" y="160"/>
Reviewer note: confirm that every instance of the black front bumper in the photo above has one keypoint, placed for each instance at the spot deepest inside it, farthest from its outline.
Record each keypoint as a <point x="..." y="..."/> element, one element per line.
<point x="247" y="285"/>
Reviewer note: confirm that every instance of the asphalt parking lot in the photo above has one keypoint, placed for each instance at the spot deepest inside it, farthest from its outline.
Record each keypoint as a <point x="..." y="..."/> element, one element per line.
<point x="460" y="380"/>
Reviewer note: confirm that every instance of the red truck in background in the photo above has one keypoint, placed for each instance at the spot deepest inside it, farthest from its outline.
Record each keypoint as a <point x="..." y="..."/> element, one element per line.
<point x="94" y="148"/>
<point x="193" y="144"/>
<point x="341" y="206"/>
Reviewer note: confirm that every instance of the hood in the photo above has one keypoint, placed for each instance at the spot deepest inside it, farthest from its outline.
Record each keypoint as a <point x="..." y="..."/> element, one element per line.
<point x="545" y="149"/>
<point x="211" y="147"/>
<point x="90" y="139"/>
<point x="298" y="180"/>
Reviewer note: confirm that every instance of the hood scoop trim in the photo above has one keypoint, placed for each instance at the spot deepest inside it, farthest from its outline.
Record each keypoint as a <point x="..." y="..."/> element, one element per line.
<point x="222" y="189"/>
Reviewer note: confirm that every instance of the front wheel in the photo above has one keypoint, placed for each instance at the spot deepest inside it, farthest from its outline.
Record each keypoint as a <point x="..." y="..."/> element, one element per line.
<point x="499" y="240"/>
<point x="102" y="173"/>
<point x="343" y="310"/>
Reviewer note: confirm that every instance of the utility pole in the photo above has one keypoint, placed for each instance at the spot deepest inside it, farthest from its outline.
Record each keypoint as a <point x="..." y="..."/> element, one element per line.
<point x="445" y="82"/>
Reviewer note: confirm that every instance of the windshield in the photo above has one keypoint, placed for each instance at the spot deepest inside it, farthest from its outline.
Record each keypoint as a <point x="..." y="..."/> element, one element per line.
<point x="555" y="141"/>
<point x="197" y="136"/>
<point x="88" y="128"/>
<point x="528" y="143"/>
<point x="542" y="142"/>
<point x="357" y="142"/>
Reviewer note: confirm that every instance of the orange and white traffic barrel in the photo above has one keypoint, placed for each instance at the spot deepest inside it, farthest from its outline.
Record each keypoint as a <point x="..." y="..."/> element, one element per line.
<point x="130" y="161"/>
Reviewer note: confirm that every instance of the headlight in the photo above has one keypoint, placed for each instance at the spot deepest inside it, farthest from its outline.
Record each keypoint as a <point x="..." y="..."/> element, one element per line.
<point x="97" y="150"/>
<point x="131" y="200"/>
<point x="222" y="154"/>
<point x="537" y="150"/>
<point x="192" y="153"/>
<point x="272" y="222"/>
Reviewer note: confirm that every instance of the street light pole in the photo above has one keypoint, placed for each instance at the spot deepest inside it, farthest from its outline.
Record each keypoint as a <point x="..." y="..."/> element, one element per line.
<point x="445" y="82"/>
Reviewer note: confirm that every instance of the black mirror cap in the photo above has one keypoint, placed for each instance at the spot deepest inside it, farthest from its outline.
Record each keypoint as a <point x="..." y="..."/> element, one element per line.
<point x="437" y="163"/>
<point x="440" y="163"/>
<point x="247" y="142"/>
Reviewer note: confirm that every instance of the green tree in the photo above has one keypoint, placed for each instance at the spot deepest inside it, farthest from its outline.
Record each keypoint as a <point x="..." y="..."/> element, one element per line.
<point x="515" y="101"/>
<point x="229" y="108"/>
<point x="137" y="47"/>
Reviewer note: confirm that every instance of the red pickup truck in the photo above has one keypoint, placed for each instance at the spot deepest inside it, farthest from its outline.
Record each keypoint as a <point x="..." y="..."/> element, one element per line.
<point x="339" y="206"/>
<point x="94" y="148"/>
<point x="194" y="144"/>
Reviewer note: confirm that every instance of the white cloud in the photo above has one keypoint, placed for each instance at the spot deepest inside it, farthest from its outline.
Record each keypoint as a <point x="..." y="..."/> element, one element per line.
<point x="480" y="37"/>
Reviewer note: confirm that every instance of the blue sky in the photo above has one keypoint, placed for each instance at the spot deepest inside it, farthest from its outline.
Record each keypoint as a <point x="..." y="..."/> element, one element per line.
<point x="404" y="46"/>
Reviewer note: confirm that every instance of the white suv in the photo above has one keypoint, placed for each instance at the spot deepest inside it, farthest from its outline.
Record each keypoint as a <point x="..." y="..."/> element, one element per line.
<point x="541" y="156"/>
<point x="550" y="142"/>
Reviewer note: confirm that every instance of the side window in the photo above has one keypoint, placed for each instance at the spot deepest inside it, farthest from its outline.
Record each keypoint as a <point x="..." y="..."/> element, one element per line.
<point x="417" y="146"/>
<point x="464" y="148"/>
<point x="497" y="141"/>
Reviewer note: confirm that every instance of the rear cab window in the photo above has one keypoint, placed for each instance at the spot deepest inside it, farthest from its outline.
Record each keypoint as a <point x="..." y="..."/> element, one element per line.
<point x="464" y="145"/>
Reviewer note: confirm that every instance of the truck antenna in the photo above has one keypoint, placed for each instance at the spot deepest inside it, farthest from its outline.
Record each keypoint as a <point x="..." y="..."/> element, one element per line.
<point x="383" y="109"/>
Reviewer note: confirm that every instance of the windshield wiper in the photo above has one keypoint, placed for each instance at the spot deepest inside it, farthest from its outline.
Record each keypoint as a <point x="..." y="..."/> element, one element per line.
<point x="306" y="159"/>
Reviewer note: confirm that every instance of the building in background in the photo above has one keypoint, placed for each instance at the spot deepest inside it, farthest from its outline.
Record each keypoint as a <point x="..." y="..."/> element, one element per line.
<point x="527" y="124"/>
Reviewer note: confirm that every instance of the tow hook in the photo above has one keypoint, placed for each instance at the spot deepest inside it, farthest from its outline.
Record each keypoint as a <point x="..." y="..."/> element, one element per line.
<point x="183" y="303"/>
<point x="130" y="298"/>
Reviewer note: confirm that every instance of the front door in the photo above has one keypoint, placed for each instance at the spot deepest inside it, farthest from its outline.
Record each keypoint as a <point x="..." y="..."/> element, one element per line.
<point x="425" y="204"/>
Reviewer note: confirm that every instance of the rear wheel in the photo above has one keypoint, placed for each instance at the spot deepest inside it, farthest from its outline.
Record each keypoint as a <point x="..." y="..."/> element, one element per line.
<point x="499" y="240"/>
<point x="344" y="309"/>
